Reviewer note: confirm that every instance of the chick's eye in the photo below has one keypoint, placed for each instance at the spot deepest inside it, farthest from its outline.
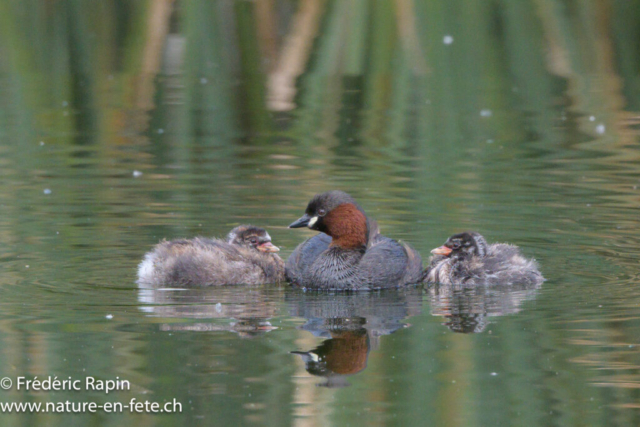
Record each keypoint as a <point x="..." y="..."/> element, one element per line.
<point x="321" y="212"/>
<point x="456" y="245"/>
<point x="254" y="240"/>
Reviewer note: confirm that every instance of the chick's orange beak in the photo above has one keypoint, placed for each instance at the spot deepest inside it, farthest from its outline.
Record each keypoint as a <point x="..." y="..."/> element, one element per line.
<point x="442" y="250"/>
<point x="268" y="247"/>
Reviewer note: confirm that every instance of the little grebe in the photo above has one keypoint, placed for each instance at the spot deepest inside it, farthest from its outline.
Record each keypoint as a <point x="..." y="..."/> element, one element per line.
<point x="247" y="256"/>
<point x="349" y="253"/>
<point x="466" y="258"/>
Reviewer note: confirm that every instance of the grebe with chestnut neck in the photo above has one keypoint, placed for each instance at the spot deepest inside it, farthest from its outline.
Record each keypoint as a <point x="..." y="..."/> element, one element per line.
<point x="349" y="253"/>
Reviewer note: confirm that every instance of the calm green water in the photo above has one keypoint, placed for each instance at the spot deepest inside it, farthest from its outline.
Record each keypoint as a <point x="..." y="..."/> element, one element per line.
<point x="125" y="122"/>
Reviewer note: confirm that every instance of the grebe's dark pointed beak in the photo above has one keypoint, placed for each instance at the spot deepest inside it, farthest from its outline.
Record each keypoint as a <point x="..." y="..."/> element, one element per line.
<point x="301" y="222"/>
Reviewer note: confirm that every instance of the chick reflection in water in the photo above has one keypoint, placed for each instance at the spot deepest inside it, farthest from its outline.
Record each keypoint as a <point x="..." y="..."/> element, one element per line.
<point x="245" y="311"/>
<point x="466" y="308"/>
<point x="353" y="323"/>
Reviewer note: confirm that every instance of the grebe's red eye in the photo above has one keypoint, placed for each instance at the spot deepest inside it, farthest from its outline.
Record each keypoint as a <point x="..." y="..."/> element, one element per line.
<point x="321" y="212"/>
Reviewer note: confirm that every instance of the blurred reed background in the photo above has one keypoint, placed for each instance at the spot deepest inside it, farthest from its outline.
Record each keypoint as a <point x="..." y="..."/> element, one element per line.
<point x="413" y="98"/>
<point x="316" y="69"/>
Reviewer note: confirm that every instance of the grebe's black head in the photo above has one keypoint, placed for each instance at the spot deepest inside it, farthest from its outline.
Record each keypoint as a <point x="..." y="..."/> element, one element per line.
<point x="463" y="245"/>
<point x="253" y="237"/>
<point x="319" y="206"/>
<point x="337" y="214"/>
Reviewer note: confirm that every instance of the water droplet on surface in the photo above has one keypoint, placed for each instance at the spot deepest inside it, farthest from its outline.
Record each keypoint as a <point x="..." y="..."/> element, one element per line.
<point x="486" y="113"/>
<point x="160" y="131"/>
<point x="41" y="143"/>
<point x="137" y="174"/>
<point x="109" y="316"/>
<point x="203" y="81"/>
<point x="447" y="39"/>
<point x="47" y="191"/>
<point x="592" y="118"/>
<point x="601" y="129"/>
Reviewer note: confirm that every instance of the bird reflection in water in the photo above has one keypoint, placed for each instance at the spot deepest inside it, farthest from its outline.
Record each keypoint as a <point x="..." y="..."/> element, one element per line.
<point x="242" y="310"/>
<point x="353" y="324"/>
<point x="466" y="308"/>
<point x="344" y="354"/>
